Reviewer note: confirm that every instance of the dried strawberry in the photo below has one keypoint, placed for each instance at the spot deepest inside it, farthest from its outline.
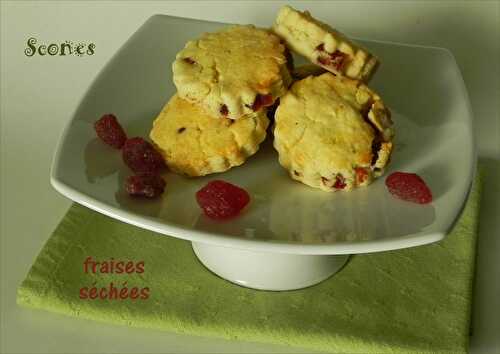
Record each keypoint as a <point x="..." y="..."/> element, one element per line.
<point x="189" y="60"/>
<point x="222" y="200"/>
<point x="141" y="156"/>
<point x="224" y="110"/>
<point x="409" y="186"/>
<point x="361" y="174"/>
<point x="337" y="59"/>
<point x="324" y="60"/>
<point x="110" y="131"/>
<point x="262" y="101"/>
<point x="145" y="185"/>
<point x="339" y="182"/>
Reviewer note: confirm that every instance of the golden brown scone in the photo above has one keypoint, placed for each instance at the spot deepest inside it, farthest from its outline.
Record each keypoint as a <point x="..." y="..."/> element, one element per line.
<point x="332" y="133"/>
<point x="194" y="143"/>
<point x="234" y="72"/>
<point x="323" y="45"/>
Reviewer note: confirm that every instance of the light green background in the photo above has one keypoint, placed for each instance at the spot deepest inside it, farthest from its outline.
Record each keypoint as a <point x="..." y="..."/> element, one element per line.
<point x="39" y="94"/>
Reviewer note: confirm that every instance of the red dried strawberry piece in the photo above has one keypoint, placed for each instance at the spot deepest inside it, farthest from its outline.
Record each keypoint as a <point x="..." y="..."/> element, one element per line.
<point x="337" y="59"/>
<point x="145" y="185"/>
<point x="324" y="60"/>
<point x="141" y="156"/>
<point x="409" y="186"/>
<point x="339" y="182"/>
<point x="189" y="60"/>
<point x="262" y="101"/>
<point x="222" y="200"/>
<point x="224" y="110"/>
<point x="361" y="174"/>
<point x="110" y="131"/>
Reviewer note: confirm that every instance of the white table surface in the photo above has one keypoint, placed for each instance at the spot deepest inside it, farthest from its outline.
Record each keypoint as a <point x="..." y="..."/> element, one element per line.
<point x="39" y="94"/>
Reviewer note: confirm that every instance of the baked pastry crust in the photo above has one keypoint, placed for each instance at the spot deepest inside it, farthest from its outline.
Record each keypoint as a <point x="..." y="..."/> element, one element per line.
<point x="194" y="143"/>
<point x="323" y="45"/>
<point x="333" y="133"/>
<point x="234" y="72"/>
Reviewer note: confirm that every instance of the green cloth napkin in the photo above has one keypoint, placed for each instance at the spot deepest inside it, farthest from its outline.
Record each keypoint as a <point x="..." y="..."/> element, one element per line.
<point x="405" y="301"/>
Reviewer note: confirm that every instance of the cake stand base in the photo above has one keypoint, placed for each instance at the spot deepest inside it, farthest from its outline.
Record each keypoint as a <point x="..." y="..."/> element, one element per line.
<point x="268" y="271"/>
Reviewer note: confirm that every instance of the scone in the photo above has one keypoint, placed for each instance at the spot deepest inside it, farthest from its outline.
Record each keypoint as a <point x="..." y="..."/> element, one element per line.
<point x="323" y="45"/>
<point x="234" y="72"/>
<point x="298" y="73"/>
<point x="194" y="143"/>
<point x="332" y="133"/>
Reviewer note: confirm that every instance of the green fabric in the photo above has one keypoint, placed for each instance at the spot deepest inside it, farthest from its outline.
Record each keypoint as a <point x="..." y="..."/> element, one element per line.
<point x="405" y="301"/>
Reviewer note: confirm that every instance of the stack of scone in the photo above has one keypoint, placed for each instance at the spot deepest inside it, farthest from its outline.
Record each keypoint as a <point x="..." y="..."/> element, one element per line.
<point x="225" y="80"/>
<point x="331" y="131"/>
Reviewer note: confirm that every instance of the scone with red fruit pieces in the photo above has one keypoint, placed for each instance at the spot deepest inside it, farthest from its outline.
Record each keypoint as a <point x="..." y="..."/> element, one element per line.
<point x="232" y="73"/>
<point x="333" y="133"/>
<point x="194" y="143"/>
<point x="323" y="45"/>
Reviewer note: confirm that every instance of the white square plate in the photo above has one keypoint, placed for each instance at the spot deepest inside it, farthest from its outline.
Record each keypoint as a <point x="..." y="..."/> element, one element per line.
<point x="422" y="86"/>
